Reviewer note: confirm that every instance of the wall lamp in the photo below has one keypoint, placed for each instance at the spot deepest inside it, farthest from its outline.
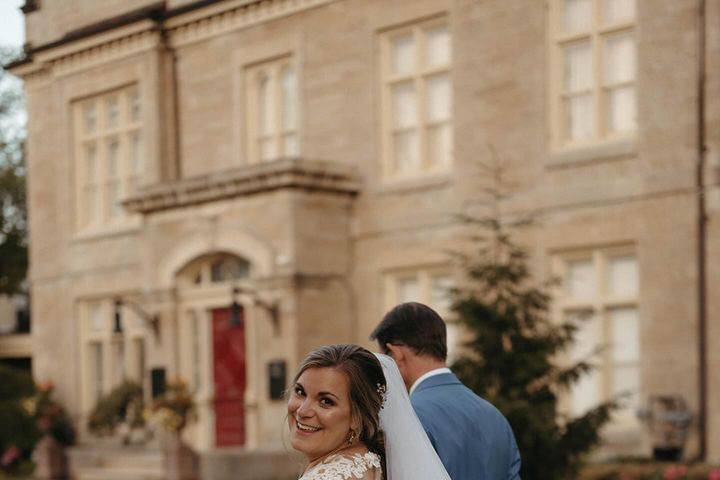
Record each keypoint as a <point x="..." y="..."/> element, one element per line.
<point x="150" y="320"/>
<point x="272" y="309"/>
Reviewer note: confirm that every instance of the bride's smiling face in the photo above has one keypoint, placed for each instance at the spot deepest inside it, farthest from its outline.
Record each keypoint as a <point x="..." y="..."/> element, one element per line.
<point x="319" y="412"/>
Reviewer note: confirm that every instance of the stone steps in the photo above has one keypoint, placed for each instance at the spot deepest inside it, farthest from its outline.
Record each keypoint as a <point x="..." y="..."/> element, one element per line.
<point x="102" y="462"/>
<point x="105" y="473"/>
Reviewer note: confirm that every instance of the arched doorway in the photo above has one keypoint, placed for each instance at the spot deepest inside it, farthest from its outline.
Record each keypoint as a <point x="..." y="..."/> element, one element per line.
<point x="214" y="346"/>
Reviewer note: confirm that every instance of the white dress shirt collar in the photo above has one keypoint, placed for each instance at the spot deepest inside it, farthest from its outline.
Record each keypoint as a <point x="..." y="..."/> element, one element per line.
<point x="426" y="375"/>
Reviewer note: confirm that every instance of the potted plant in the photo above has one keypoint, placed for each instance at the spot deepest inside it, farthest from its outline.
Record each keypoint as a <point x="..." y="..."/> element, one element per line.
<point x="171" y="412"/>
<point x="668" y="419"/>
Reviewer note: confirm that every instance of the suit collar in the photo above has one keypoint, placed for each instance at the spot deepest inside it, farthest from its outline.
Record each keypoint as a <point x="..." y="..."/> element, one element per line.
<point x="426" y="375"/>
<point x="437" y="380"/>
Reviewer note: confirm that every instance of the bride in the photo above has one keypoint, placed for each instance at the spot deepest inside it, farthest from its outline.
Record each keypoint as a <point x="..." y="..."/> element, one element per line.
<point x="350" y="415"/>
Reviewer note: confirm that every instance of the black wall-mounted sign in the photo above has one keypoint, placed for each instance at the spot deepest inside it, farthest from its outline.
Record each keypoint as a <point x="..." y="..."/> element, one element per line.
<point x="157" y="375"/>
<point x="277" y="376"/>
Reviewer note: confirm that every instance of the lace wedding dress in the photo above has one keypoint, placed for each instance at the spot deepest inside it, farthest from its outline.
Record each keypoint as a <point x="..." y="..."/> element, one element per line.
<point x="341" y="466"/>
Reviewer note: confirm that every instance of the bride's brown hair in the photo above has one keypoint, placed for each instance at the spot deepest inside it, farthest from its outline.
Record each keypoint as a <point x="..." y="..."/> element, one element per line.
<point x="366" y="380"/>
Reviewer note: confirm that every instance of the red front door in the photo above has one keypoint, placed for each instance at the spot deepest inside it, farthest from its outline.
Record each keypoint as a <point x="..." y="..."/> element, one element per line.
<point x="229" y="374"/>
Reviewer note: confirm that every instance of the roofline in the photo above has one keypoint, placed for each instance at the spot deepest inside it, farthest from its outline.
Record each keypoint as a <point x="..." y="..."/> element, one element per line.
<point x="157" y="12"/>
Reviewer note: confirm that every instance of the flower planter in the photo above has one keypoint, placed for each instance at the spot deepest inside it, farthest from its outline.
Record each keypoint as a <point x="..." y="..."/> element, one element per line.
<point x="50" y="460"/>
<point x="180" y="461"/>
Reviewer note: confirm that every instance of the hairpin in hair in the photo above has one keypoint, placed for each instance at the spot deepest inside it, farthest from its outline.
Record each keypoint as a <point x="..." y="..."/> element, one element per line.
<point x="382" y="391"/>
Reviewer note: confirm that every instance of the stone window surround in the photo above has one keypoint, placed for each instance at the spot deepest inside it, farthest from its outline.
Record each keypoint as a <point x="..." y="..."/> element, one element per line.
<point x="273" y="69"/>
<point x="603" y="145"/>
<point x="126" y="176"/>
<point x="415" y="28"/>
<point x="600" y="305"/>
<point x="133" y="332"/>
<point x="424" y="276"/>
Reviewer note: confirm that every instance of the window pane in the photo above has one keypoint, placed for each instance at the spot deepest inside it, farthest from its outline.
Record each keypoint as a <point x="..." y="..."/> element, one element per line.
<point x="440" y="144"/>
<point x="113" y="199"/>
<point x="118" y="362"/>
<point x="90" y="118"/>
<point x="619" y="59"/>
<point x="577" y="15"/>
<point x="136" y="154"/>
<point x="134" y="105"/>
<point x="580" y="122"/>
<point x="578" y="67"/>
<point x="266" y="109"/>
<point x="438" y="97"/>
<point x="622" y="276"/>
<point x="438" y="47"/>
<point x="112" y="111"/>
<point x="626" y="380"/>
<point x="90" y="163"/>
<point x="113" y="148"/>
<point x="453" y="340"/>
<point x="622" y="112"/>
<point x="407" y="150"/>
<point x="440" y="294"/>
<point x="95" y="315"/>
<point x="588" y="336"/>
<point x="290" y="145"/>
<point x="580" y="279"/>
<point x="403" y="54"/>
<point x="625" y="335"/>
<point x="404" y="105"/>
<point x="90" y="203"/>
<point x="289" y="99"/>
<point x="216" y="271"/>
<point x="229" y="269"/>
<point x="618" y="10"/>
<point x="408" y="290"/>
<point x="97" y="365"/>
<point x="268" y="149"/>
<point x="585" y="394"/>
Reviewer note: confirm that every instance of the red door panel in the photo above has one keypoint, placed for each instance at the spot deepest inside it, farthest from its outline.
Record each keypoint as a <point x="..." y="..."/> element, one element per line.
<point x="229" y="377"/>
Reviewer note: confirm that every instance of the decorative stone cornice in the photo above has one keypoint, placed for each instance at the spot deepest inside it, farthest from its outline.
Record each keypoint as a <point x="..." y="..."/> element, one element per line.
<point x="290" y="174"/>
<point x="99" y="54"/>
<point x="227" y="16"/>
<point x="140" y="30"/>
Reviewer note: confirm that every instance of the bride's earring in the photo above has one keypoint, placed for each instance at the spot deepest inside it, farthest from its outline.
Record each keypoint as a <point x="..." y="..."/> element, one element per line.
<point x="351" y="438"/>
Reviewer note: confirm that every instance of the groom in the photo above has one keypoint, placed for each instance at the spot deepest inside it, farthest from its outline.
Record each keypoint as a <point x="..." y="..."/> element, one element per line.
<point x="472" y="438"/>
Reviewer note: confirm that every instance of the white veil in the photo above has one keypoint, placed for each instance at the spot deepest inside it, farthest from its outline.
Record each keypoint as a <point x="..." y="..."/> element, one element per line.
<point x="409" y="453"/>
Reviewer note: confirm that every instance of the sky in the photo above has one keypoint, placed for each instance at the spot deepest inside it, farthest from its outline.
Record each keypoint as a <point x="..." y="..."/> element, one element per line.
<point x="12" y="33"/>
<point x="12" y="27"/>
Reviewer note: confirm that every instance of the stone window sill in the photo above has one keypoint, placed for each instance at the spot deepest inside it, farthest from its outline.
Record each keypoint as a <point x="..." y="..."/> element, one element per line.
<point x="409" y="185"/>
<point x="607" y="150"/>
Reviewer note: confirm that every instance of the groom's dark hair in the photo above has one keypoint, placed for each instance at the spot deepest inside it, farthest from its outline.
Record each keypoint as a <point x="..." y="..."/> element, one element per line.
<point x="414" y="325"/>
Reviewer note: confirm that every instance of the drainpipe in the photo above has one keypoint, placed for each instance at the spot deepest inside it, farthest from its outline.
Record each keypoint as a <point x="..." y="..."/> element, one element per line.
<point x="701" y="237"/>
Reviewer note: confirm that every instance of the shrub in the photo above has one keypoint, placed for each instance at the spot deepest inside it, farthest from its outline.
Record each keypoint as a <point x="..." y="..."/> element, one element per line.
<point x="123" y="404"/>
<point x="18" y="433"/>
<point x="27" y="411"/>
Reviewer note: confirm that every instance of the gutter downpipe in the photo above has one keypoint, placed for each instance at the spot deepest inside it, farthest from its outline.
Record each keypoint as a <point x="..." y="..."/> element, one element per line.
<point x="701" y="239"/>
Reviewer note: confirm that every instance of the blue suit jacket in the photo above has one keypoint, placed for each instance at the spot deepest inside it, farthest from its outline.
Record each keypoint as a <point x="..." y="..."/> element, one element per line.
<point x="472" y="438"/>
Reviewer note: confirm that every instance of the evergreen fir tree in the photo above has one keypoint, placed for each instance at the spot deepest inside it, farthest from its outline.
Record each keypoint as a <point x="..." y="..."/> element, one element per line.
<point x="511" y="357"/>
